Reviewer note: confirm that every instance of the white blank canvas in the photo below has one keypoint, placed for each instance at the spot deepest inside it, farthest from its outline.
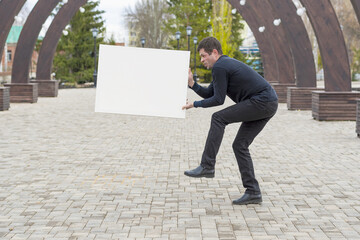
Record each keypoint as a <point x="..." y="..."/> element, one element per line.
<point x="142" y="81"/>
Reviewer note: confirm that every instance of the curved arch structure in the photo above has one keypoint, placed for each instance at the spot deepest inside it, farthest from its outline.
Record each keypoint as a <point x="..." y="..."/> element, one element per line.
<point x="262" y="10"/>
<point x="27" y="39"/>
<point x="52" y="37"/>
<point x="298" y="97"/>
<point x="268" y="55"/>
<point x="281" y="46"/>
<point x="8" y="10"/>
<point x="337" y="102"/>
<point x="331" y="44"/>
<point x="356" y="5"/>
<point x="48" y="87"/>
<point x="20" y="88"/>
<point x="257" y="11"/>
<point x="298" y="40"/>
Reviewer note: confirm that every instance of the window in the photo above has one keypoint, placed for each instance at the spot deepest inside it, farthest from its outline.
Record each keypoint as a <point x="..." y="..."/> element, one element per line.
<point x="9" y="55"/>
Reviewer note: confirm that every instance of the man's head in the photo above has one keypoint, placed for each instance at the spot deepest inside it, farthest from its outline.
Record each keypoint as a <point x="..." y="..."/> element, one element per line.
<point x="210" y="51"/>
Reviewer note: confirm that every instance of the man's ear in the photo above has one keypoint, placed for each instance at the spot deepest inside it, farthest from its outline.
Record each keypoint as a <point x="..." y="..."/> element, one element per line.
<point x="215" y="52"/>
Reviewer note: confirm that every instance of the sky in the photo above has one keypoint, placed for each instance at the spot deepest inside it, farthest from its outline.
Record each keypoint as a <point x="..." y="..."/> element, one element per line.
<point x="113" y="16"/>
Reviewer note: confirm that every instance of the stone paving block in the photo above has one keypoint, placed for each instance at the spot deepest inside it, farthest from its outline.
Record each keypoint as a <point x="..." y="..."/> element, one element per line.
<point x="67" y="172"/>
<point x="244" y="238"/>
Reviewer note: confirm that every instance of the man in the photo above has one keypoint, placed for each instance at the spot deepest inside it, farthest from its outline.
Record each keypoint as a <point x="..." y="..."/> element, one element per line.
<point x="255" y="103"/>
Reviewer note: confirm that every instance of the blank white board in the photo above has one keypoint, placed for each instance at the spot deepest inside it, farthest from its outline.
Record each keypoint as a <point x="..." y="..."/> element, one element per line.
<point x="142" y="81"/>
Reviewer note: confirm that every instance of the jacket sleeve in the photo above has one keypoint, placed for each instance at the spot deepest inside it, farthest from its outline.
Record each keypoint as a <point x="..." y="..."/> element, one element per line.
<point x="219" y="86"/>
<point x="203" y="91"/>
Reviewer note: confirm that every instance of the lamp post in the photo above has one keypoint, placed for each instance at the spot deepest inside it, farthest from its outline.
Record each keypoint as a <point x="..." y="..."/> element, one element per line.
<point x="195" y="42"/>
<point x="188" y="32"/>
<point x="177" y="35"/>
<point x="143" y="40"/>
<point x="95" y="32"/>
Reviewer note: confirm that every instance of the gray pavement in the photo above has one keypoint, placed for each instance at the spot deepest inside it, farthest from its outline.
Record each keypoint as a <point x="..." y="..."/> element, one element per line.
<point x="67" y="172"/>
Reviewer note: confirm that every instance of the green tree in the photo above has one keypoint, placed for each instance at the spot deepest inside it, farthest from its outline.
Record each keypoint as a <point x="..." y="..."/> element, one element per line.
<point x="235" y="39"/>
<point x="221" y="23"/>
<point x="207" y="18"/>
<point x="196" y="14"/>
<point x="319" y="61"/>
<point x="355" y="66"/>
<point x="111" y="40"/>
<point x="226" y="27"/>
<point x="74" y="59"/>
<point x="183" y="13"/>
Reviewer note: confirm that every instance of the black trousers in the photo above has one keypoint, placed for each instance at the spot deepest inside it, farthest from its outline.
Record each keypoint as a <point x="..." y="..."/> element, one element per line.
<point x="254" y="115"/>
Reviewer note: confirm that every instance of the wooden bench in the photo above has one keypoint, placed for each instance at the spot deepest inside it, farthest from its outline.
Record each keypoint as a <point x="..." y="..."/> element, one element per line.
<point x="338" y="106"/>
<point x="281" y="90"/>
<point x="358" y="117"/>
<point x="4" y="98"/>
<point x="300" y="98"/>
<point x="47" y="88"/>
<point x="23" y="92"/>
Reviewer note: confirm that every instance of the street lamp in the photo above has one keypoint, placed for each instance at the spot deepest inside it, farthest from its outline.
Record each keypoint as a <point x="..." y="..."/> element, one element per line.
<point x="188" y="32"/>
<point x="195" y="42"/>
<point x="178" y="35"/>
<point x="95" y="32"/>
<point x="143" y="40"/>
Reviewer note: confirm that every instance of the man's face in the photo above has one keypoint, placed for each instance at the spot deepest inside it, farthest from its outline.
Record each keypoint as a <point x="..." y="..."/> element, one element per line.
<point x="207" y="59"/>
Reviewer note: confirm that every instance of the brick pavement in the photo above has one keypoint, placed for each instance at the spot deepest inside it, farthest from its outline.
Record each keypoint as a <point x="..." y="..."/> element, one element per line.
<point x="69" y="173"/>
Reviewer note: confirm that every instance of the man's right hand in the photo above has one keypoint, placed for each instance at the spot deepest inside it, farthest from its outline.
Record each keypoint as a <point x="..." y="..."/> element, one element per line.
<point x="191" y="81"/>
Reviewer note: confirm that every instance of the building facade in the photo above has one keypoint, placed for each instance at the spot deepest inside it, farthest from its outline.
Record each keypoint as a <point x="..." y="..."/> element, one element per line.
<point x="7" y="58"/>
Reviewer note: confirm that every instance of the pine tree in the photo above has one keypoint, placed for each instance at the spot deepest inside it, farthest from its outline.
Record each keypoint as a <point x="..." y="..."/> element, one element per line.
<point x="74" y="59"/>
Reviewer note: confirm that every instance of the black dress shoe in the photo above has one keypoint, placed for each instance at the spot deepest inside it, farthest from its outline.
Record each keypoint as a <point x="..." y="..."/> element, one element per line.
<point x="248" y="199"/>
<point x="200" y="172"/>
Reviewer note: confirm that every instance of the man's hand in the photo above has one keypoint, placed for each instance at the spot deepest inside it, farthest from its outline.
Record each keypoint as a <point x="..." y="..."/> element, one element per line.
<point x="188" y="105"/>
<point x="191" y="81"/>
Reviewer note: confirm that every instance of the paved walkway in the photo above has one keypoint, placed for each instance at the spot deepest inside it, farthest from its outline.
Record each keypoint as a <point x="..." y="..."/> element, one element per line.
<point x="69" y="173"/>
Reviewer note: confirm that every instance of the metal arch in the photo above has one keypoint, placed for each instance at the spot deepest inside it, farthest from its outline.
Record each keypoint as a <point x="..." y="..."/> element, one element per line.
<point x="356" y="5"/>
<point x="8" y="10"/>
<point x="268" y="55"/>
<point x="331" y="44"/>
<point x="27" y="40"/>
<point x="298" y="40"/>
<point x="52" y="37"/>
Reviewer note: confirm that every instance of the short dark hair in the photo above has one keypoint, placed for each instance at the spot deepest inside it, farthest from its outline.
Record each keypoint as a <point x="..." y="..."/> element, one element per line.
<point x="209" y="44"/>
